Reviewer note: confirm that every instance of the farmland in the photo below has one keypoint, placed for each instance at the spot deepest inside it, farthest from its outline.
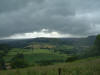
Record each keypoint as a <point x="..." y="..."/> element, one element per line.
<point x="37" y="55"/>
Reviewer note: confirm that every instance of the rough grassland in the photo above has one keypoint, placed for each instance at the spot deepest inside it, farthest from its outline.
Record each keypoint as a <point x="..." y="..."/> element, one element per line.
<point x="90" y="66"/>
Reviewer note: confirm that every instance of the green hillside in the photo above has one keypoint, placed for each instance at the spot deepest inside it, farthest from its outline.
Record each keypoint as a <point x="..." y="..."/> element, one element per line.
<point x="89" y="66"/>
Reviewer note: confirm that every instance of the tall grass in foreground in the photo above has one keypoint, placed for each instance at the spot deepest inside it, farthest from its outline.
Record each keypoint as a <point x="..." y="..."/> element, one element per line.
<point x="81" y="67"/>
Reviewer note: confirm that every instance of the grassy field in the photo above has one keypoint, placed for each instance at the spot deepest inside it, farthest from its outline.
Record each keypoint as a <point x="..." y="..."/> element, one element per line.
<point x="36" y="55"/>
<point x="90" y="66"/>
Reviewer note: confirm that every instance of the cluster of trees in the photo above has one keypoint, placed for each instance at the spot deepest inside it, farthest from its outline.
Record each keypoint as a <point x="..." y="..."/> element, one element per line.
<point x="97" y="45"/>
<point x="19" y="61"/>
<point x="94" y="50"/>
<point x="4" y="48"/>
<point x="2" y="63"/>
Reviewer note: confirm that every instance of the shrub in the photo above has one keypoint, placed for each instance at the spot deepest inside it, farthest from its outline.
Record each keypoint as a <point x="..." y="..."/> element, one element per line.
<point x="72" y="58"/>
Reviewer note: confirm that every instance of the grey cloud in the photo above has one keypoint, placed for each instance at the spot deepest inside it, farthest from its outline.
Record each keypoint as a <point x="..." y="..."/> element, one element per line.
<point x="11" y="5"/>
<point x="65" y="16"/>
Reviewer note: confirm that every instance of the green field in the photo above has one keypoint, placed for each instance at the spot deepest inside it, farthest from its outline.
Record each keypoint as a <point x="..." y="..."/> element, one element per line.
<point x="90" y="66"/>
<point x="37" y="55"/>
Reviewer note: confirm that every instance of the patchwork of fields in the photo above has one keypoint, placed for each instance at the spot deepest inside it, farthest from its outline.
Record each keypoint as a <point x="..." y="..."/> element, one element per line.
<point x="37" y="55"/>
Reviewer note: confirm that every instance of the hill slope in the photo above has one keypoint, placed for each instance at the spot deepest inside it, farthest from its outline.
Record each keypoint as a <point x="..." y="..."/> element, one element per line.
<point x="90" y="66"/>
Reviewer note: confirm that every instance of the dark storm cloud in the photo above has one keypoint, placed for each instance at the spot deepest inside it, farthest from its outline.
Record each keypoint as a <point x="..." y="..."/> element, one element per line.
<point x="76" y="17"/>
<point x="11" y="5"/>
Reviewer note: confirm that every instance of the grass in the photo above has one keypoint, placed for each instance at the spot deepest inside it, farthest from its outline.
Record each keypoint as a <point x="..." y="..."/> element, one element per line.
<point x="90" y="66"/>
<point x="35" y="55"/>
<point x="44" y="57"/>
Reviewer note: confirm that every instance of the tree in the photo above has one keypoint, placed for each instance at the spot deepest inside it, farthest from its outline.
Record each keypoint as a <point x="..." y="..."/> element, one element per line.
<point x="18" y="61"/>
<point x="95" y="50"/>
<point x="3" y="51"/>
<point x="97" y="45"/>
<point x="2" y="63"/>
<point x="72" y="58"/>
<point x="97" y="42"/>
<point x="4" y="48"/>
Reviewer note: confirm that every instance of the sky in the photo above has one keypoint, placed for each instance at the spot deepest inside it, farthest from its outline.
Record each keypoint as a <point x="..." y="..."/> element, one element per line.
<point x="49" y="18"/>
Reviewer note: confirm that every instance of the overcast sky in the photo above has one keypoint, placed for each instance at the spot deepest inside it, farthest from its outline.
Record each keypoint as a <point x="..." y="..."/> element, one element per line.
<point x="60" y="17"/>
